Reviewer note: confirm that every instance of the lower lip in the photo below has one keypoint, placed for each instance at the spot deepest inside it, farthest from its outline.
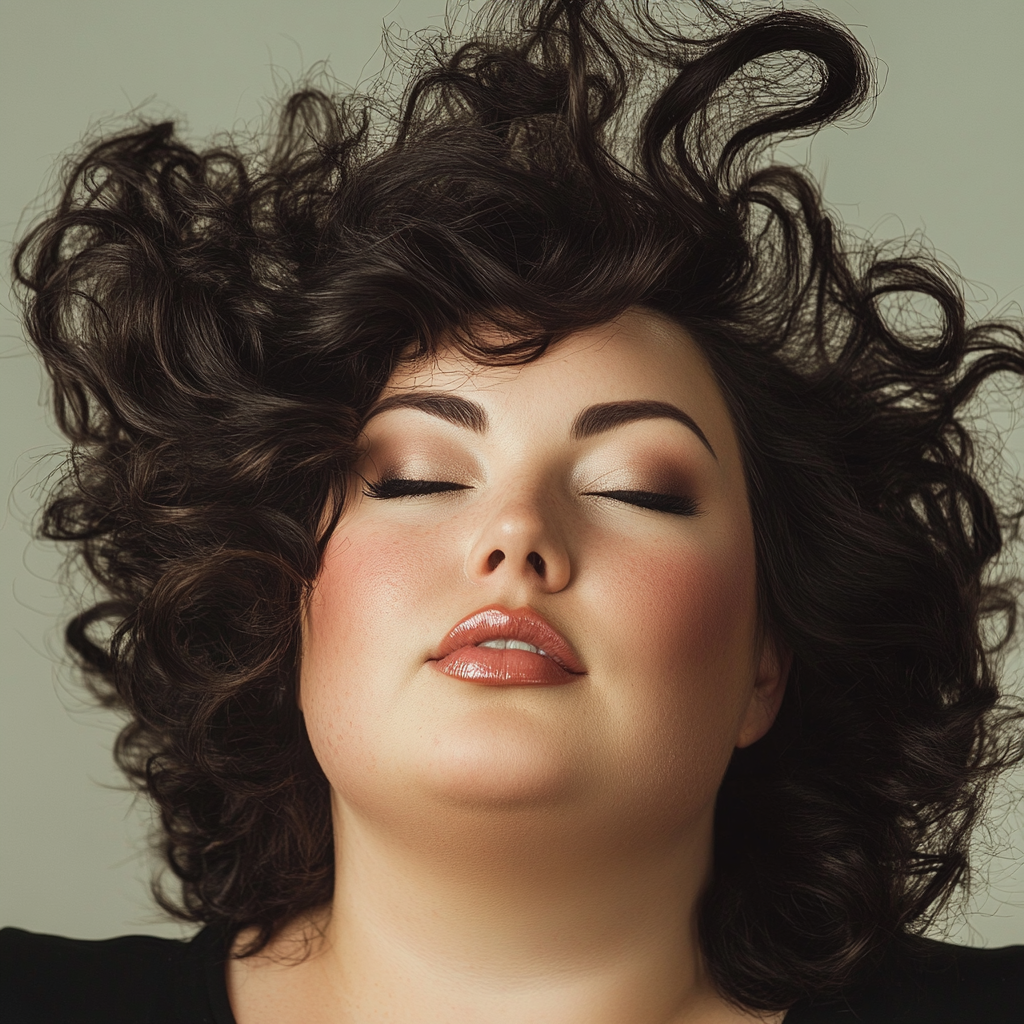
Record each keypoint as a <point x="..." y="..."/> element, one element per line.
<point x="491" y="666"/>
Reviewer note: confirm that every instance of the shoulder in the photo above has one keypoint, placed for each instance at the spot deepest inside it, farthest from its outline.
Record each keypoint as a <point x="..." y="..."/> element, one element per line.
<point x="921" y="981"/>
<point x="134" y="978"/>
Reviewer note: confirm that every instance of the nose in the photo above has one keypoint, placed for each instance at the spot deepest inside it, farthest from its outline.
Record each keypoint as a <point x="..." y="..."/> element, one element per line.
<point x="520" y="541"/>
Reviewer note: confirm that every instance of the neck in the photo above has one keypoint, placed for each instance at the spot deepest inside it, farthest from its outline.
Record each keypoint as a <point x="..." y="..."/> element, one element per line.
<point x="535" y="919"/>
<point x="496" y="918"/>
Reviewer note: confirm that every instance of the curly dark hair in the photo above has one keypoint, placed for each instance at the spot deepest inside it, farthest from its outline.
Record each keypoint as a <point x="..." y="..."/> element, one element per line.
<point x="218" y="322"/>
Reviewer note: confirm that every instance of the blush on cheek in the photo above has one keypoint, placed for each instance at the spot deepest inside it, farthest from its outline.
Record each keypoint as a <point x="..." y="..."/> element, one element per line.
<point x="684" y="630"/>
<point x="361" y="576"/>
<point x="371" y="583"/>
<point x="697" y="608"/>
<point x="348" y="669"/>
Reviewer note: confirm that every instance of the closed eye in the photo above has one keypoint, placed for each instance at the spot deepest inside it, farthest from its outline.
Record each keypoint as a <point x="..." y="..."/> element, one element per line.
<point x="398" y="487"/>
<point x="671" y="503"/>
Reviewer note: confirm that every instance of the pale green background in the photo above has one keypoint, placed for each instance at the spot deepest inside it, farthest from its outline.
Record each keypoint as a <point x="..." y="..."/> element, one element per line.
<point x="943" y="153"/>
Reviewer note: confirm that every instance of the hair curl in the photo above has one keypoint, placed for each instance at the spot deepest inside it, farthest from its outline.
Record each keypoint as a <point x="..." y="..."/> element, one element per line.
<point x="217" y="322"/>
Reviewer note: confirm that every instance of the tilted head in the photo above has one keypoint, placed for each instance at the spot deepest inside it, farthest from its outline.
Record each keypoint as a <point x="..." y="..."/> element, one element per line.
<point x="220" y="325"/>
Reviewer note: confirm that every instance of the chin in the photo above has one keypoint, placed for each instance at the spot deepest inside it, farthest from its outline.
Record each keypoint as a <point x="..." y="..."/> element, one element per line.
<point x="489" y="760"/>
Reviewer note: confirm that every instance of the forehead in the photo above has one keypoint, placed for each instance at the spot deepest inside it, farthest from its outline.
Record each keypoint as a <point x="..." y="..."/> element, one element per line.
<point x="640" y="355"/>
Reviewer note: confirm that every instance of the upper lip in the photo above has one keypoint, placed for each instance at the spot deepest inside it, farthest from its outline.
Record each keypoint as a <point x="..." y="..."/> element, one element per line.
<point x="495" y="622"/>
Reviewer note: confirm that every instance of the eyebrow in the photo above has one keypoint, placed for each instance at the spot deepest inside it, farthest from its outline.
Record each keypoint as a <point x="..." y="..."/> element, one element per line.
<point x="452" y="408"/>
<point x="595" y="419"/>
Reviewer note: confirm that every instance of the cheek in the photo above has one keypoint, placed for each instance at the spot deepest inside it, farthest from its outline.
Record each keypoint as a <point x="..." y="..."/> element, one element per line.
<point x="706" y="612"/>
<point x="691" y="612"/>
<point x="682" y="641"/>
<point x="369" y="582"/>
<point x="357" y="653"/>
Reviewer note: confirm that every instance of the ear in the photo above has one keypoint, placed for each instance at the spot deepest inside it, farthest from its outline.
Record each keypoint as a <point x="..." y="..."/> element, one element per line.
<point x="766" y="696"/>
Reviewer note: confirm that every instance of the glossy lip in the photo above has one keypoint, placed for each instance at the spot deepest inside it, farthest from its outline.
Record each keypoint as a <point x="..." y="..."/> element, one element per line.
<point x="494" y="623"/>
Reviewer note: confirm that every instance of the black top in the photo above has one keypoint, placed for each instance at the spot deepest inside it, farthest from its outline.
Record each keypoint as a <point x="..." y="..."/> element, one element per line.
<point x="138" y="979"/>
<point x="134" y="979"/>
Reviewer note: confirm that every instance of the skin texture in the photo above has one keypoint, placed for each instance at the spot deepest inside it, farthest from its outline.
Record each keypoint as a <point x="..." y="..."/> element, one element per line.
<point x="529" y="853"/>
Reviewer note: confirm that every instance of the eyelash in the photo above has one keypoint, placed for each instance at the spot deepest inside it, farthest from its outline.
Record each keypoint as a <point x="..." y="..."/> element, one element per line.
<point x="674" y="504"/>
<point x="398" y="487"/>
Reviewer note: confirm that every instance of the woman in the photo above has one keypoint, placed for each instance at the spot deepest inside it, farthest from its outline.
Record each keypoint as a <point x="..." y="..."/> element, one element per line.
<point x="549" y="577"/>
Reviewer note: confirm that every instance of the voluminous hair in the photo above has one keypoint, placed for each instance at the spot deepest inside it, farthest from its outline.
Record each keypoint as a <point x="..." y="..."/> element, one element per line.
<point x="217" y="323"/>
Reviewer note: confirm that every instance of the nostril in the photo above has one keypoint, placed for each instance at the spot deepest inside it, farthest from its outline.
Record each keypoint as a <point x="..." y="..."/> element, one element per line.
<point x="537" y="562"/>
<point x="495" y="559"/>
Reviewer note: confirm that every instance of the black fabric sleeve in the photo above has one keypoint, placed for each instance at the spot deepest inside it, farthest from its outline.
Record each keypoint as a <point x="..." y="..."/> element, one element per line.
<point x="921" y="981"/>
<point x="135" y="979"/>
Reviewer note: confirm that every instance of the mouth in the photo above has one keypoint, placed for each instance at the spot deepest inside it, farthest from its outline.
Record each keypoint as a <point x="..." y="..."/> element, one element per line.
<point x="498" y="647"/>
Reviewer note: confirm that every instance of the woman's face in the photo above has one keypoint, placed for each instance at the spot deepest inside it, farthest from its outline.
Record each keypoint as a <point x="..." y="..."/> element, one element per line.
<point x="561" y="494"/>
